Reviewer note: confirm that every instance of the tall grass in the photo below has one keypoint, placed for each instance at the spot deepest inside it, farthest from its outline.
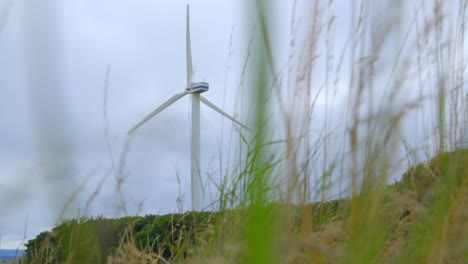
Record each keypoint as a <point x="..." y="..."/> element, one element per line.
<point x="429" y="55"/>
<point x="336" y="125"/>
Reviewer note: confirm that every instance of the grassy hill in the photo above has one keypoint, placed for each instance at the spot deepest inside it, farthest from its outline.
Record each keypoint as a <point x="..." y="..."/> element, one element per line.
<point x="422" y="218"/>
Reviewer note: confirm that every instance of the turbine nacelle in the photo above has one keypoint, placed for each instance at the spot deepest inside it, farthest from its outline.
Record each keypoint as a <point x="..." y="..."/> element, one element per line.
<point x="197" y="87"/>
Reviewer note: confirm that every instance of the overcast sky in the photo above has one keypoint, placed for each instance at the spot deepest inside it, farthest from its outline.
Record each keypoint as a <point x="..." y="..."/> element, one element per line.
<point x="53" y="112"/>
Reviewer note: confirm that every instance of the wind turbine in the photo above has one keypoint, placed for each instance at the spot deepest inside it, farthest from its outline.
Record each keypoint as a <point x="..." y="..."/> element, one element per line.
<point x="195" y="89"/>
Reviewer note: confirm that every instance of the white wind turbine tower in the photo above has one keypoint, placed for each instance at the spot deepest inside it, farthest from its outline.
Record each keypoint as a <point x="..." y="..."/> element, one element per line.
<point x="195" y="89"/>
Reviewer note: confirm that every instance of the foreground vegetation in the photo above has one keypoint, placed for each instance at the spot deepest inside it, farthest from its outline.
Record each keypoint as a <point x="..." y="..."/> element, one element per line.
<point x="419" y="218"/>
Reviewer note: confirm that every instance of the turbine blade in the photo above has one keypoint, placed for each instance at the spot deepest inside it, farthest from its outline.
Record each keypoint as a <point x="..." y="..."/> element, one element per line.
<point x="217" y="109"/>
<point x="189" y="51"/>
<point x="172" y="100"/>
